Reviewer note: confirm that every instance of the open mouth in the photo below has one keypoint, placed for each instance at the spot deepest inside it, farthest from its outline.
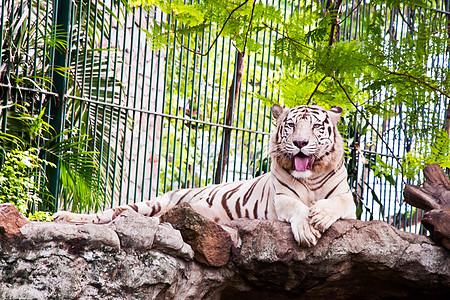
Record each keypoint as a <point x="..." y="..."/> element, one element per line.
<point x="303" y="163"/>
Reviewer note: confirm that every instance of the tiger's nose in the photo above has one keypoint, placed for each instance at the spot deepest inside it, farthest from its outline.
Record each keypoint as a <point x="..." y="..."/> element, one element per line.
<point x="300" y="143"/>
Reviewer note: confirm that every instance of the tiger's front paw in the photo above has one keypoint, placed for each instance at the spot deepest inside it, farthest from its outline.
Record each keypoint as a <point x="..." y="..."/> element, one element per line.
<point x="322" y="215"/>
<point x="62" y="216"/>
<point x="304" y="233"/>
<point x="65" y="216"/>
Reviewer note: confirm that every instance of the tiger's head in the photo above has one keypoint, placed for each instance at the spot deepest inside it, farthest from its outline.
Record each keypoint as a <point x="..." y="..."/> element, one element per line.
<point x="306" y="139"/>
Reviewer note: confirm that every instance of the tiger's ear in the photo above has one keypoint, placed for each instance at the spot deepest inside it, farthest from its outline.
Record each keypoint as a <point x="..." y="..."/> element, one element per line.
<point x="335" y="113"/>
<point x="277" y="111"/>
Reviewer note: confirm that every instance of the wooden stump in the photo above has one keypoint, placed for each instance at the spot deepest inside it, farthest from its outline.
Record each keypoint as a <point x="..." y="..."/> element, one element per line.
<point x="433" y="197"/>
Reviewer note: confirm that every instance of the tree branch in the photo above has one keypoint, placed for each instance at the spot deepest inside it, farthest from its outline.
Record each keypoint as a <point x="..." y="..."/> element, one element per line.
<point x="336" y="8"/>
<point x="295" y="43"/>
<point x="350" y="13"/>
<point x="248" y="28"/>
<point x="373" y="127"/>
<point x="417" y="79"/>
<point x="315" y="90"/>
<point x="218" y="35"/>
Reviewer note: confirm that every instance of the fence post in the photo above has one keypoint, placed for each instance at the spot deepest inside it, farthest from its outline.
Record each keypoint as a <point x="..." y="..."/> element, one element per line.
<point x="62" y="23"/>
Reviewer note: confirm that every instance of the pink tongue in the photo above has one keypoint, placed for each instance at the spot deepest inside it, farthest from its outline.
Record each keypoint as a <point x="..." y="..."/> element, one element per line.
<point x="300" y="163"/>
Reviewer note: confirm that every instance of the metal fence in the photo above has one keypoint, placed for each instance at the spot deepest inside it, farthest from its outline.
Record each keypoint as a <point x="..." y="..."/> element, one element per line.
<point x="157" y="117"/>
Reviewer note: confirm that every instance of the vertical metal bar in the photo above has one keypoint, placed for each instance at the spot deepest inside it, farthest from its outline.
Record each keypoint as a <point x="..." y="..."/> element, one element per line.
<point x="2" y="24"/>
<point x="218" y="104"/>
<point x="192" y="110"/>
<point x="254" y="79"/>
<point x="243" y="147"/>
<point x="108" y="197"/>
<point x="127" y="113"/>
<point x="136" y="61"/>
<point x="177" y="112"/>
<point x="201" y="183"/>
<point x="149" y="104"/>
<point x="155" y="119"/>
<point x="119" y="111"/>
<point x="63" y="17"/>
<point x="211" y="114"/>
<point x="125" y="128"/>
<point x="5" y="100"/>
<point x="170" y="109"/>
<point x="37" y="18"/>
<point x="142" y="165"/>
<point x="100" y="109"/>
<point x="233" y="79"/>
<point x="163" y="105"/>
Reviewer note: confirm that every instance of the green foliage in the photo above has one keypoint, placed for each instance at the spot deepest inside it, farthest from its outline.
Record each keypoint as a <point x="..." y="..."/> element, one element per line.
<point x="42" y="216"/>
<point x="370" y="65"/>
<point x="428" y="153"/>
<point x="376" y="69"/>
<point x="81" y="184"/>
<point x="21" y="181"/>
<point x="28" y="32"/>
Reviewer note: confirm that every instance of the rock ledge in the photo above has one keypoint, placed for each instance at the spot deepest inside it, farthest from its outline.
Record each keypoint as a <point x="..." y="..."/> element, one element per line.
<point x="135" y="257"/>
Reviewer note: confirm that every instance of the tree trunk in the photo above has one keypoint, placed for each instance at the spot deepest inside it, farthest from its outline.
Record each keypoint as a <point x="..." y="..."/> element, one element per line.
<point x="233" y="94"/>
<point x="434" y="198"/>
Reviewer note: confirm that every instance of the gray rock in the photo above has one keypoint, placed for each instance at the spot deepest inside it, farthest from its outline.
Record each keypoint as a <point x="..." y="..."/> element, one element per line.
<point x="86" y="235"/>
<point x="135" y="230"/>
<point x="170" y="241"/>
<point x="353" y="259"/>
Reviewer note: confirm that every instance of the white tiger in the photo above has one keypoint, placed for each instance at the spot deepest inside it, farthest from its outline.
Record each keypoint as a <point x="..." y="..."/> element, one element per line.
<point x="307" y="185"/>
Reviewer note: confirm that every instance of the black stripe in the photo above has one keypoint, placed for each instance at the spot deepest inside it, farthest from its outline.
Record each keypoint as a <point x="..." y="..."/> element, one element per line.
<point x="225" y="197"/>
<point x="288" y="187"/>
<point x="250" y="190"/>
<point x="134" y="207"/>
<point x="212" y="195"/>
<point x="342" y="164"/>
<point x="333" y="189"/>
<point x="181" y="199"/>
<point x="267" y="208"/>
<point x="153" y="208"/>
<point x="263" y="196"/>
<point x="322" y="181"/>
<point x="157" y="210"/>
<point x="281" y="194"/>
<point x="238" y="208"/>
<point x="255" y="210"/>
<point x="200" y="190"/>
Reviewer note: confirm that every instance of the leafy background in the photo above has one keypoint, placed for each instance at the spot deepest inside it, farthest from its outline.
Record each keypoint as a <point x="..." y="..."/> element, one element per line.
<point x="385" y="62"/>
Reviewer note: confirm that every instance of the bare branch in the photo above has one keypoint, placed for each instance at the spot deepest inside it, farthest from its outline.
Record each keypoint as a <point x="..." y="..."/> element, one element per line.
<point x="350" y="13"/>
<point x="315" y="90"/>
<point x="334" y="23"/>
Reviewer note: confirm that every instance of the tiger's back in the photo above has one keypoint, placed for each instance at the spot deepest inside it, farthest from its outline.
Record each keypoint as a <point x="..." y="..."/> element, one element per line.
<point x="232" y="200"/>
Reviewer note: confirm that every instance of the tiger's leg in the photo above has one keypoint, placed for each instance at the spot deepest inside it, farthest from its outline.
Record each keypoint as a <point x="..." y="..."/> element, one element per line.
<point x="296" y="213"/>
<point x="150" y="208"/>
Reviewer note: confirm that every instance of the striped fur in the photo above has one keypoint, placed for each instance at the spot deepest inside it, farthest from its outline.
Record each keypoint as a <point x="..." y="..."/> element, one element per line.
<point x="307" y="185"/>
